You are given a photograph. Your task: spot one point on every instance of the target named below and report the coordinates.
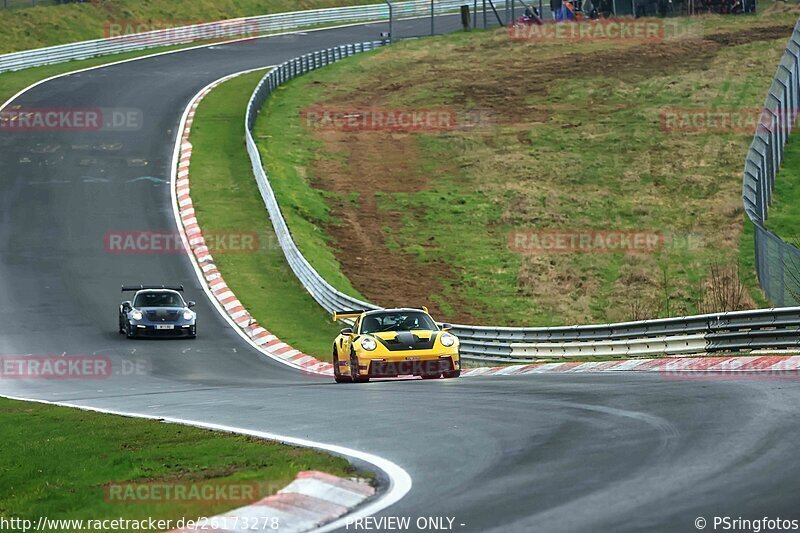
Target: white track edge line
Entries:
(399, 480)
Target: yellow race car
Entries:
(393, 342)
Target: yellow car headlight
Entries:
(369, 344)
(448, 340)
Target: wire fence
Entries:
(15, 4)
(777, 261)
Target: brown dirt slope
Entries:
(360, 166)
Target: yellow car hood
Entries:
(422, 334)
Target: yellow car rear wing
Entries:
(345, 315)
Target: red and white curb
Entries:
(774, 364)
(265, 341)
(311, 500)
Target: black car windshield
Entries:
(158, 299)
(397, 321)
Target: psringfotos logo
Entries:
(537, 242)
(189, 492)
(71, 119)
(171, 242)
(722, 120)
(395, 120)
(640, 30)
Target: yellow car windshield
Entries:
(397, 321)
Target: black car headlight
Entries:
(137, 315)
(188, 315)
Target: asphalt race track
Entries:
(602, 452)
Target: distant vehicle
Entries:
(391, 343)
(531, 17)
(157, 311)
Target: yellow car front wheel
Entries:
(354, 375)
(337, 373)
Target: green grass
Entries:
(287, 156)
(584, 151)
(226, 198)
(784, 212)
(37, 27)
(52, 469)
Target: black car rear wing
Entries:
(133, 288)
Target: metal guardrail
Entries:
(740, 330)
(322, 291)
(777, 262)
(221, 30)
(13, 4)
(767, 328)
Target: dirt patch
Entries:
(510, 88)
(576, 288)
(781, 7)
(365, 165)
(360, 166)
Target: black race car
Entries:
(157, 311)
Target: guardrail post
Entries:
(391, 20)
(781, 262)
(433, 16)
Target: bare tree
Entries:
(723, 291)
